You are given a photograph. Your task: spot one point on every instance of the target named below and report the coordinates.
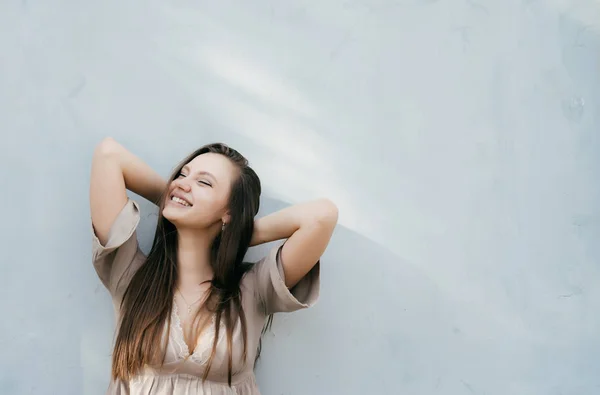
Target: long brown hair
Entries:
(148, 301)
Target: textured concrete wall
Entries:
(459, 139)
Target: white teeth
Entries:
(180, 201)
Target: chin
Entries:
(178, 217)
(169, 214)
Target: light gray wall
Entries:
(459, 139)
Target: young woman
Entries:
(191, 313)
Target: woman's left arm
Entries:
(307, 227)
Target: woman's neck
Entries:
(193, 258)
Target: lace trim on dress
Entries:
(178, 338)
(203, 348)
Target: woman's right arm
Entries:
(114, 169)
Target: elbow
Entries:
(108, 147)
(328, 213)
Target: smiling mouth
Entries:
(180, 201)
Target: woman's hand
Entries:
(307, 227)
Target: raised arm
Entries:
(308, 228)
(114, 169)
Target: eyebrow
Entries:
(202, 173)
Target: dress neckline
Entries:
(203, 348)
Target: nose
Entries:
(183, 184)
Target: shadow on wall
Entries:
(382, 325)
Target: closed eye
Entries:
(205, 183)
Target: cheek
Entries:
(208, 204)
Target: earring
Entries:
(223, 227)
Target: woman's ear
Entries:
(226, 218)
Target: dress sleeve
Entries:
(272, 293)
(115, 261)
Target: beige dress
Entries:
(263, 292)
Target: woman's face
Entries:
(199, 195)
